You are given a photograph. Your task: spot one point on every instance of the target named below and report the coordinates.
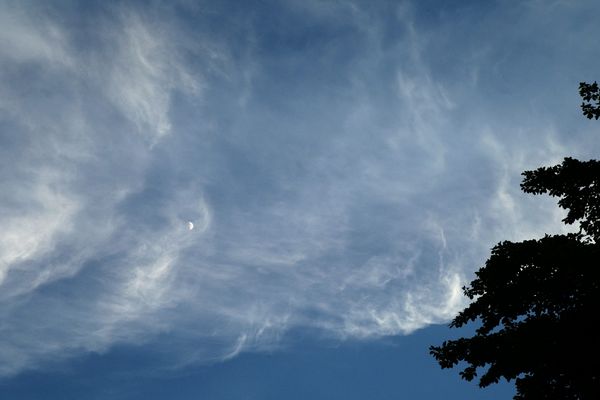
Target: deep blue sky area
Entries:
(396, 368)
(268, 199)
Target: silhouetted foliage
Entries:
(590, 94)
(537, 300)
(577, 183)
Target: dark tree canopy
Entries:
(537, 301)
(590, 94)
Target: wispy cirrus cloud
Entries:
(341, 175)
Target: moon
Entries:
(190, 225)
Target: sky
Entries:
(346, 166)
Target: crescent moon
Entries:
(190, 225)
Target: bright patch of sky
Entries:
(345, 166)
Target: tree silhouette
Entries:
(537, 300)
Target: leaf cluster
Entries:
(590, 93)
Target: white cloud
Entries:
(31, 38)
(144, 73)
(31, 234)
(348, 186)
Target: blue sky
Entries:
(346, 165)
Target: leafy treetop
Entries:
(537, 301)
